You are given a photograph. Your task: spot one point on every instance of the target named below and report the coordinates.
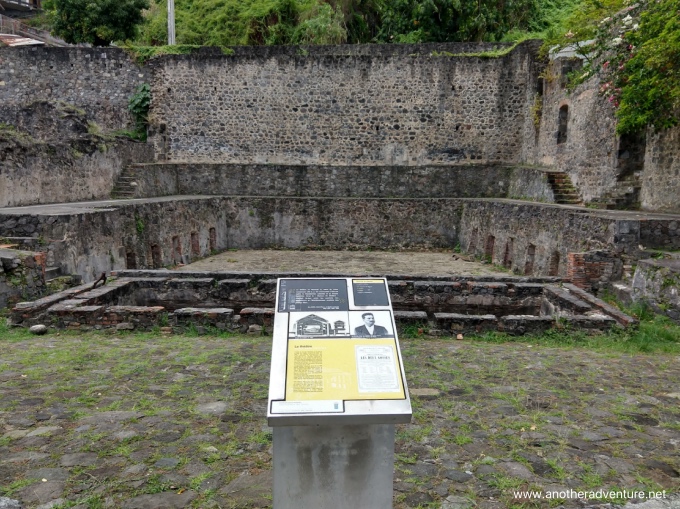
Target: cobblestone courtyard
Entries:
(158, 422)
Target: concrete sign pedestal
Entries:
(337, 388)
(333, 467)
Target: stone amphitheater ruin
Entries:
(380, 147)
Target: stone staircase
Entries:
(126, 184)
(625, 195)
(564, 191)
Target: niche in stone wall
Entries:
(562, 121)
(156, 257)
(195, 247)
(554, 267)
(507, 256)
(529, 263)
(472, 245)
(488, 248)
(631, 154)
(130, 260)
(176, 250)
(213, 240)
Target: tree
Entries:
(98, 22)
(415, 21)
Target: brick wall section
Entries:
(343, 105)
(592, 271)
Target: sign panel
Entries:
(336, 354)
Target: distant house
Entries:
(20, 5)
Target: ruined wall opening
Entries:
(631, 153)
(472, 245)
(213, 240)
(488, 248)
(130, 260)
(529, 263)
(195, 247)
(176, 250)
(507, 256)
(156, 256)
(554, 266)
(562, 122)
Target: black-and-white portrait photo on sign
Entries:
(371, 324)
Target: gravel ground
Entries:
(155, 422)
(417, 263)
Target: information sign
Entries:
(336, 354)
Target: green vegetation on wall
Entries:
(139, 105)
(636, 54)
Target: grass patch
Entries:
(655, 334)
(15, 486)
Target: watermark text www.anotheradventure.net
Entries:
(589, 495)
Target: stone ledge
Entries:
(457, 323)
(614, 312)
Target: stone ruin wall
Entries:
(57, 172)
(369, 107)
(593, 155)
(461, 181)
(459, 109)
(472, 112)
(99, 81)
(63, 105)
(661, 178)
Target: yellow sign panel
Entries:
(343, 369)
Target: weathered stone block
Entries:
(454, 323)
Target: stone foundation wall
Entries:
(342, 105)
(214, 299)
(166, 232)
(531, 239)
(161, 233)
(22, 276)
(462, 181)
(528, 238)
(657, 282)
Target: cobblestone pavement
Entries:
(346, 262)
(148, 421)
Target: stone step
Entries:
(52, 273)
(124, 187)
